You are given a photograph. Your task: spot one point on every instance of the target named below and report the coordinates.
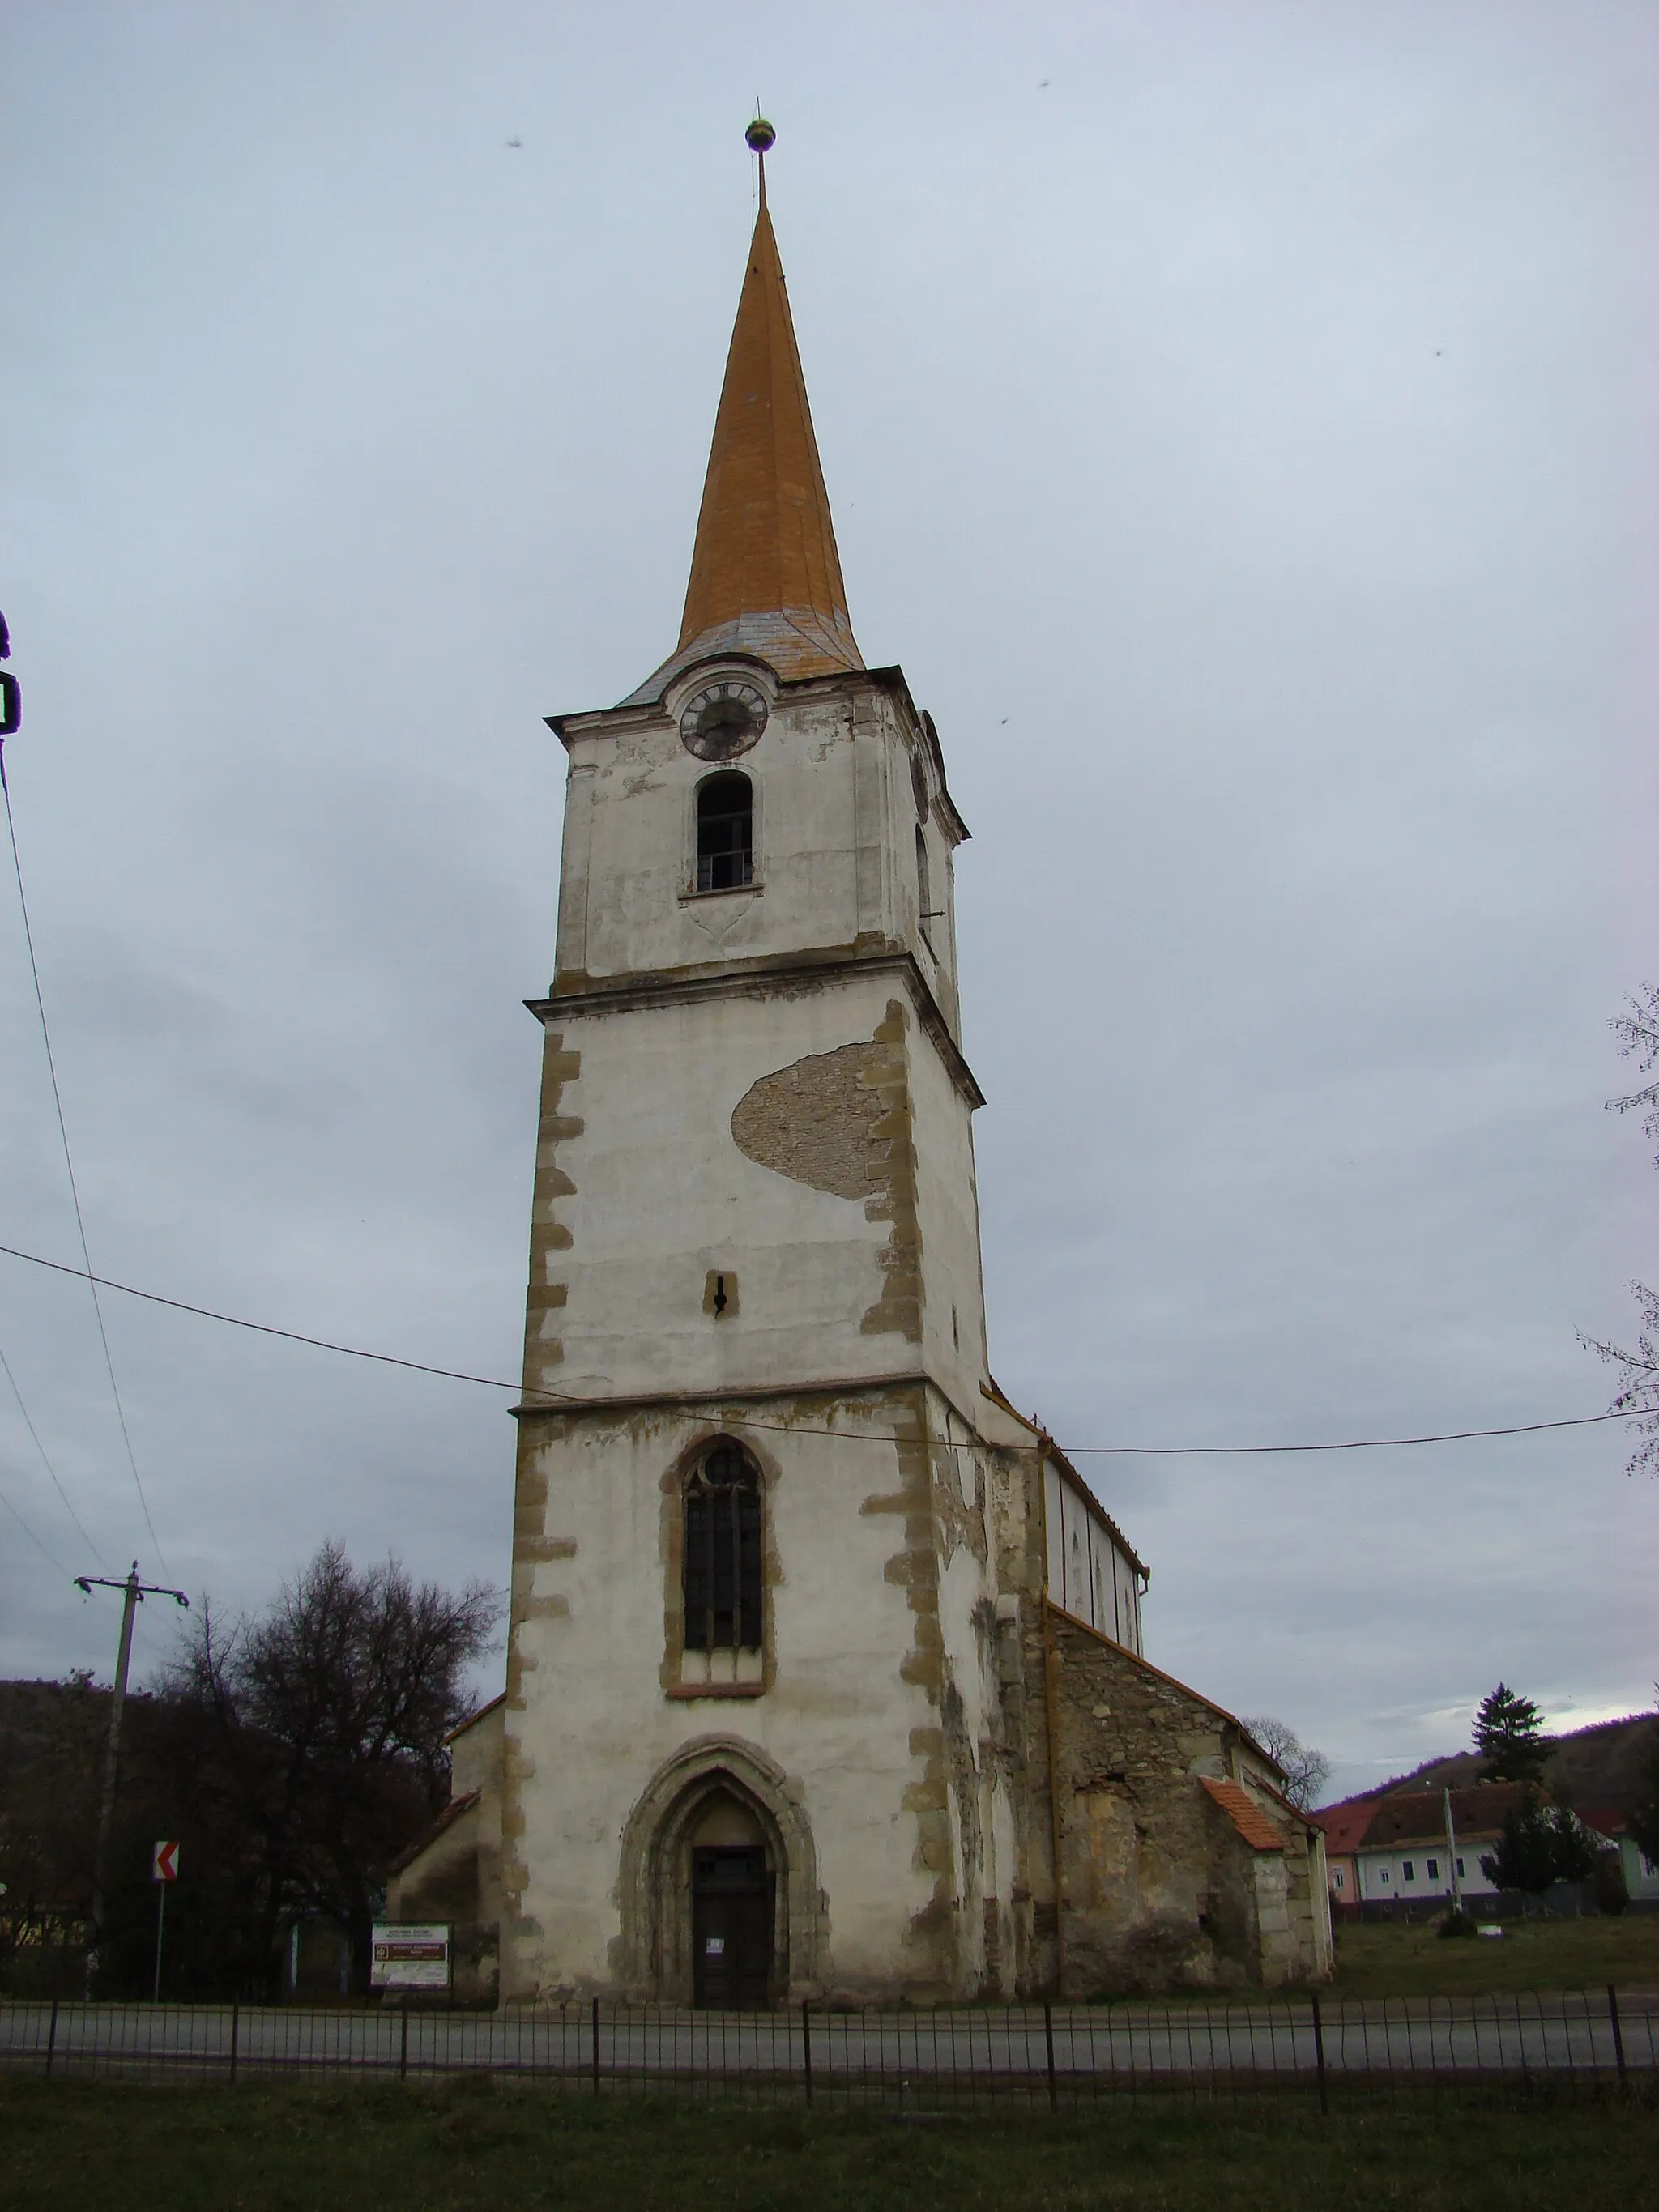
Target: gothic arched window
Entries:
(722, 1564)
(726, 832)
(924, 892)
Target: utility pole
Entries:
(1451, 1853)
(133, 1593)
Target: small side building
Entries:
(1182, 1864)
(453, 1873)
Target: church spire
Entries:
(765, 574)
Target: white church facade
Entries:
(826, 1671)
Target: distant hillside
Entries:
(1598, 1765)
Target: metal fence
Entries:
(1322, 2051)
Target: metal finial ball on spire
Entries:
(760, 137)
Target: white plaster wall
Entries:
(833, 850)
(641, 914)
(932, 940)
(1471, 1881)
(936, 939)
(969, 1652)
(663, 1196)
(1088, 1574)
(594, 1725)
(947, 1211)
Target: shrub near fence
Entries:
(1047, 2058)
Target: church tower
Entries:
(774, 1724)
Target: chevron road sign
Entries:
(164, 1862)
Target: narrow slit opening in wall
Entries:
(720, 1294)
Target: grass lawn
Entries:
(1393, 1960)
(68, 2147)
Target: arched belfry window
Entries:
(924, 891)
(726, 832)
(722, 1569)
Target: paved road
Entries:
(892, 2054)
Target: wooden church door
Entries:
(731, 1929)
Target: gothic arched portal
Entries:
(718, 1846)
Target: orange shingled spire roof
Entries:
(765, 574)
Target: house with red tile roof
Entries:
(1398, 1850)
(1404, 1857)
(1345, 1825)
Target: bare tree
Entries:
(1306, 1771)
(1637, 1032)
(329, 1714)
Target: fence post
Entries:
(235, 2032)
(596, 2046)
(1617, 2033)
(1048, 2041)
(806, 2043)
(1319, 2056)
(403, 2045)
(51, 2038)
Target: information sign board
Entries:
(409, 1954)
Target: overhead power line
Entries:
(797, 1428)
(32, 1538)
(1349, 1443)
(69, 1164)
(5, 1366)
(291, 1336)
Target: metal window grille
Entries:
(723, 1553)
(725, 833)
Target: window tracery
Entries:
(722, 1555)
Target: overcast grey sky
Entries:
(1239, 422)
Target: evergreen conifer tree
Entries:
(1540, 1845)
(1508, 1734)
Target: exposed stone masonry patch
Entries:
(814, 1121)
(840, 1121)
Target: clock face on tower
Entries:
(723, 720)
